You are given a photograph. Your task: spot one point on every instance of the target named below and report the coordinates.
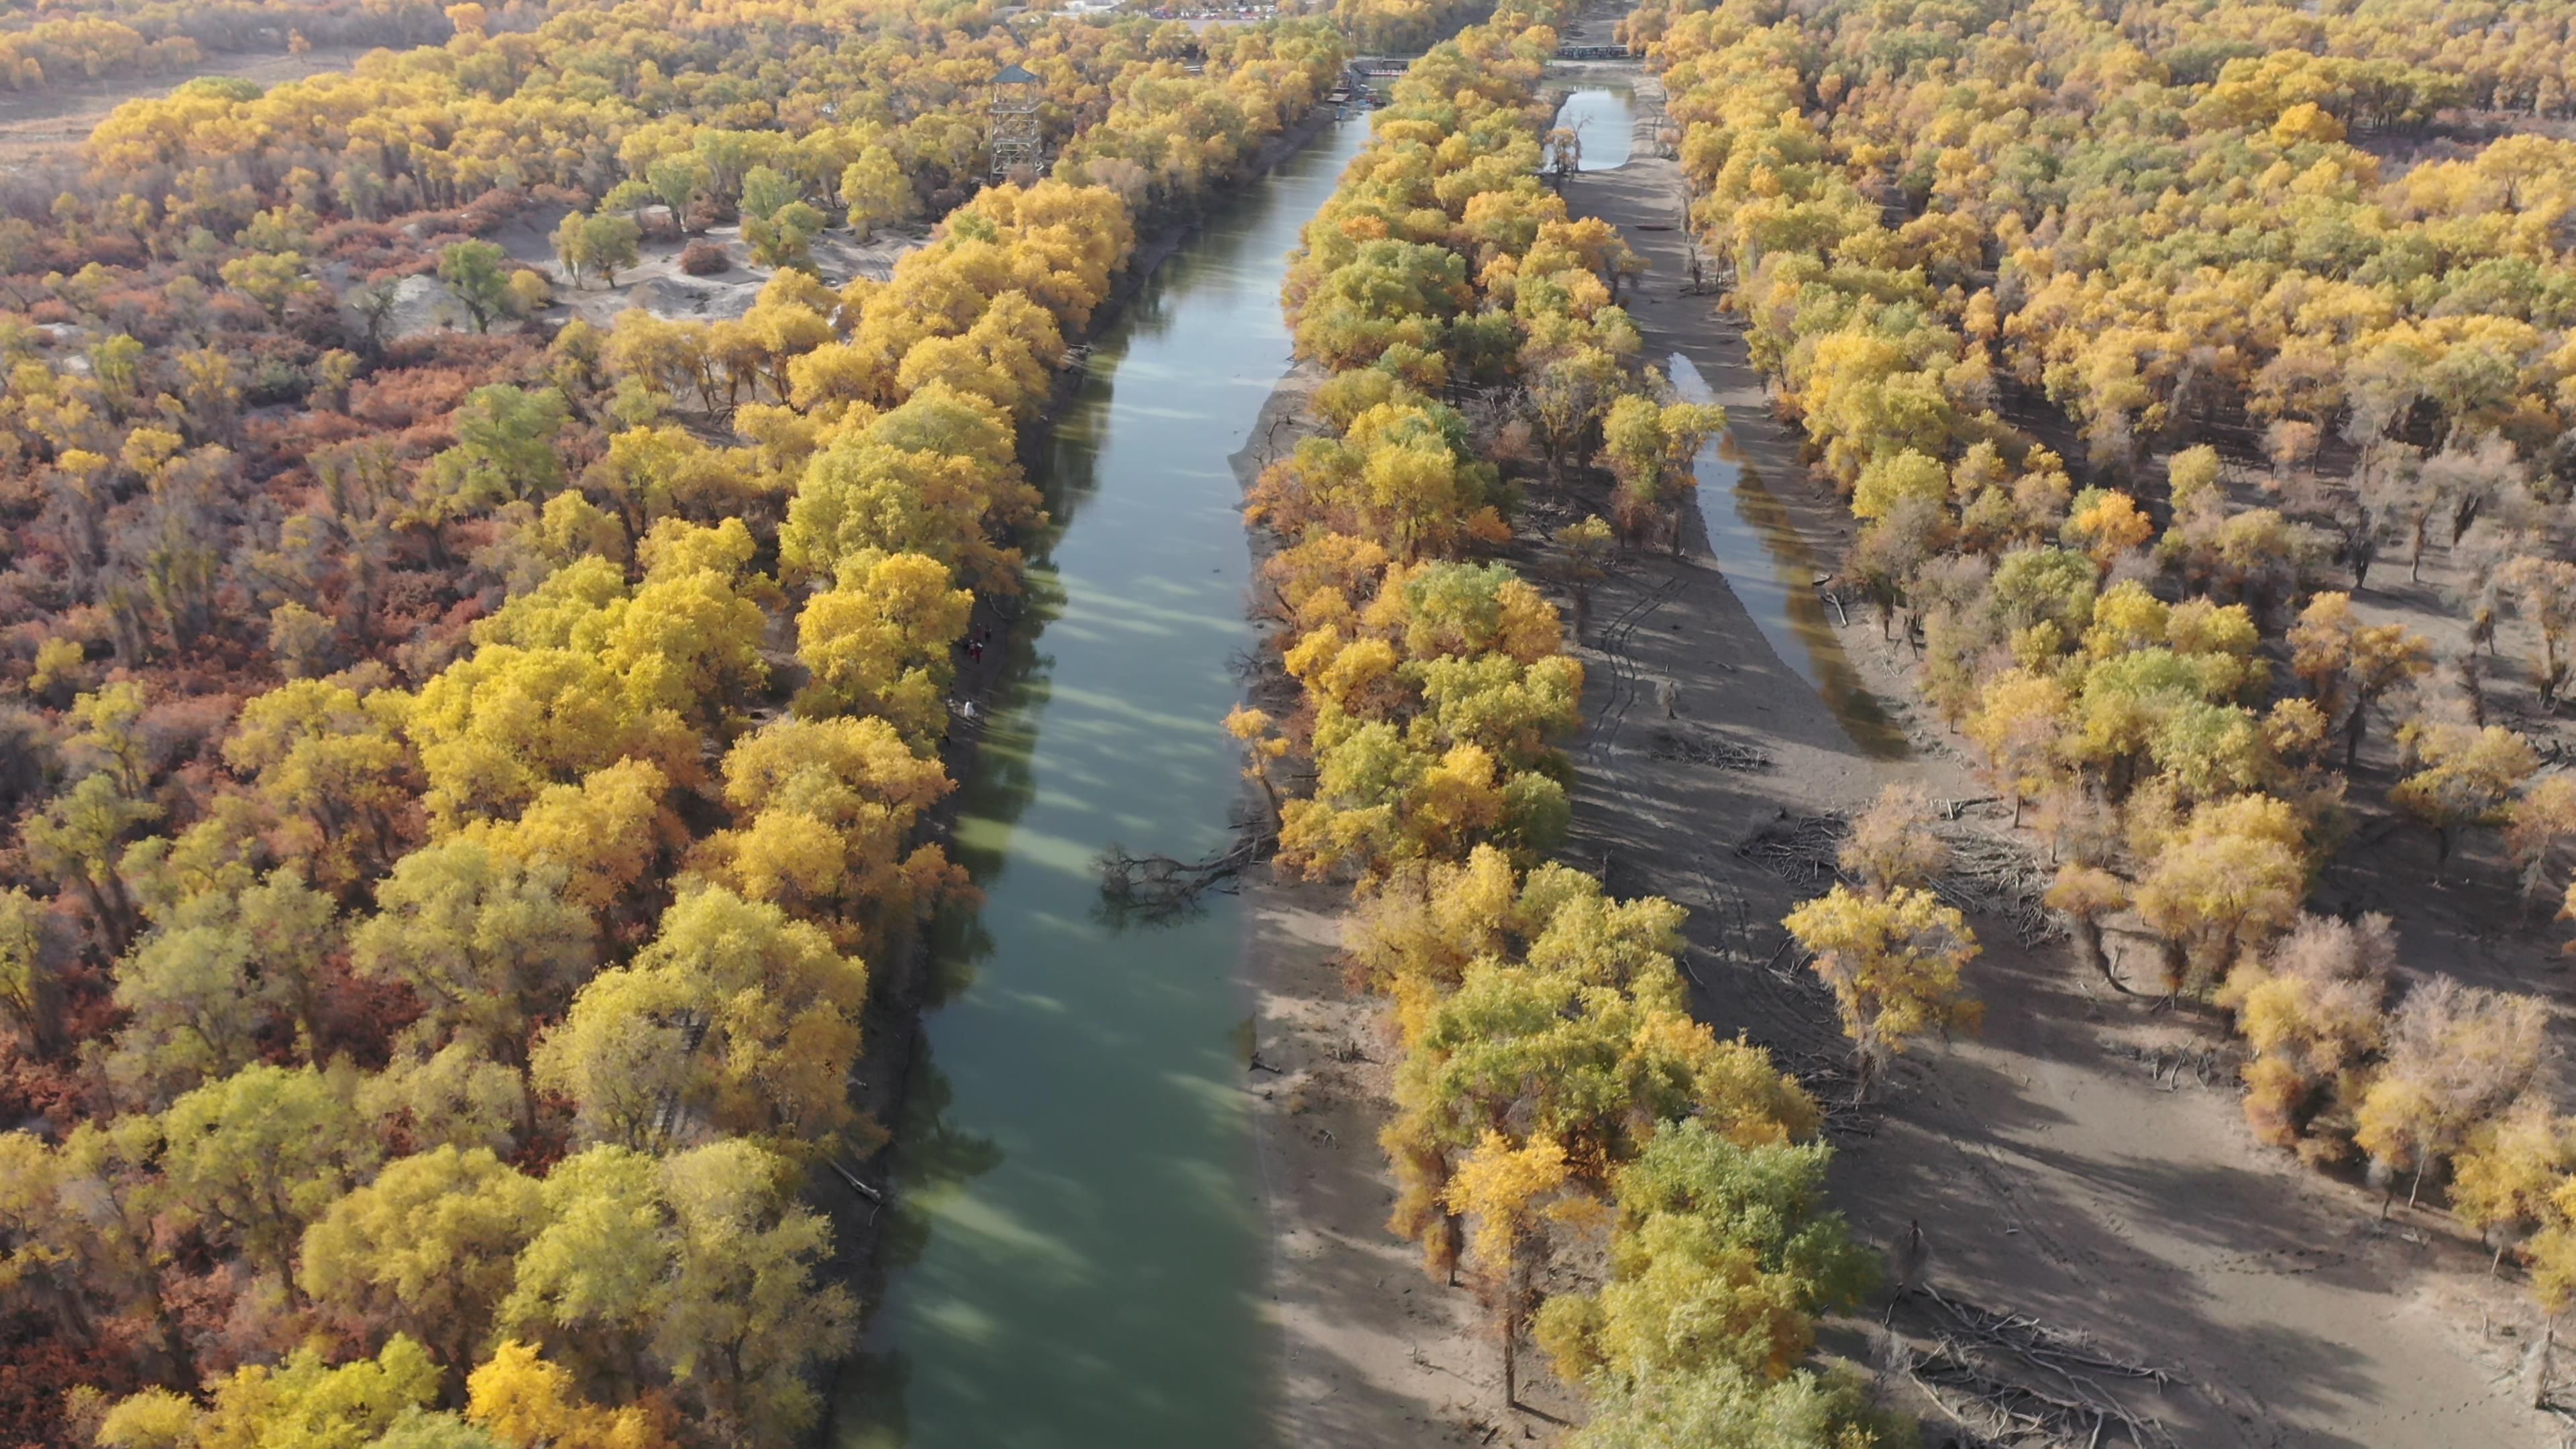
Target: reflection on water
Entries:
(1606, 118)
(1773, 574)
(1077, 1257)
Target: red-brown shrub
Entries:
(405, 397)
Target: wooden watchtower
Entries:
(1011, 121)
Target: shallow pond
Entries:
(1605, 118)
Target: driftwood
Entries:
(1800, 849)
(1154, 889)
(1996, 876)
(2166, 1063)
(2057, 1393)
(1833, 1081)
(854, 1183)
(1701, 748)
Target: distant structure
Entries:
(1011, 121)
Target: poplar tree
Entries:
(1894, 962)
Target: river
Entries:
(1076, 1257)
(1604, 119)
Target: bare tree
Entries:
(2457, 1056)
(1892, 844)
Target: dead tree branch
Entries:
(1701, 748)
(1976, 1347)
(1154, 889)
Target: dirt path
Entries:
(2055, 1169)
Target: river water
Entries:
(1076, 1257)
(1773, 574)
(1604, 117)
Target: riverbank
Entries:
(2066, 1164)
(1369, 1350)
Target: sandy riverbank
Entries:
(1371, 1352)
(2062, 1165)
(2059, 1164)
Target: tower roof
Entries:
(1013, 75)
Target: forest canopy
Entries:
(462, 781)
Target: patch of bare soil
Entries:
(1371, 1351)
(656, 282)
(2081, 1169)
(34, 124)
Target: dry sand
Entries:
(1371, 1351)
(36, 125)
(2083, 1161)
(655, 283)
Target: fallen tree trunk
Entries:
(1154, 889)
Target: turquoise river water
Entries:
(1076, 1256)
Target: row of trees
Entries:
(1931, 226)
(1556, 1103)
(679, 109)
(450, 1061)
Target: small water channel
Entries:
(1605, 119)
(1076, 1259)
(1751, 537)
(1767, 563)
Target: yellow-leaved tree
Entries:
(1501, 1187)
(2458, 1056)
(1894, 964)
(526, 1402)
(2229, 880)
(2313, 1008)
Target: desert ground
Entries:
(35, 125)
(2082, 1163)
(655, 283)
